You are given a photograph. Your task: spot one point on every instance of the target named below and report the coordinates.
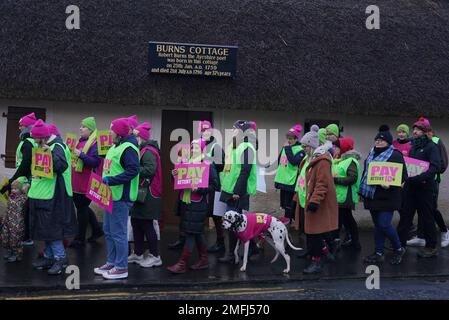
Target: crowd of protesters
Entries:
(320, 176)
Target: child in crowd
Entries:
(13, 224)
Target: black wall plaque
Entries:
(192, 59)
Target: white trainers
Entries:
(103, 269)
(416, 242)
(151, 261)
(115, 274)
(134, 258)
(444, 239)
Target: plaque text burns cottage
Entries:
(192, 59)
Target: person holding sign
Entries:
(86, 160)
(147, 209)
(23, 165)
(193, 207)
(383, 200)
(419, 241)
(53, 216)
(287, 172)
(239, 177)
(215, 155)
(121, 173)
(420, 190)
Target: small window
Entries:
(12, 131)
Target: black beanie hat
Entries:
(384, 134)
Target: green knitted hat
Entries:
(322, 135)
(89, 123)
(19, 182)
(333, 128)
(403, 127)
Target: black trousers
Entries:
(287, 203)
(420, 199)
(346, 219)
(144, 228)
(315, 244)
(85, 216)
(437, 215)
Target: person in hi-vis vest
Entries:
(23, 165)
(215, 154)
(287, 172)
(51, 205)
(239, 176)
(347, 176)
(121, 173)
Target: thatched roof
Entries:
(293, 55)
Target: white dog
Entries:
(251, 225)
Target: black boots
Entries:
(313, 268)
(219, 246)
(177, 245)
(58, 267)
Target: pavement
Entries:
(17, 277)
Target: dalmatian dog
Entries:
(251, 225)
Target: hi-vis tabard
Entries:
(44, 188)
(286, 173)
(340, 169)
(19, 155)
(233, 166)
(112, 167)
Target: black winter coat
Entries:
(427, 152)
(54, 219)
(194, 214)
(388, 199)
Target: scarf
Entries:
(186, 196)
(367, 191)
(79, 163)
(419, 143)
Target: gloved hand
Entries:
(106, 180)
(6, 188)
(312, 207)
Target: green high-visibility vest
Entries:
(286, 173)
(112, 167)
(301, 186)
(19, 155)
(233, 166)
(340, 169)
(438, 175)
(44, 188)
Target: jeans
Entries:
(384, 229)
(54, 250)
(115, 227)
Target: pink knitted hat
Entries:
(40, 130)
(143, 130)
(121, 126)
(28, 120)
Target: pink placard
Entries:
(99, 192)
(415, 167)
(192, 175)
